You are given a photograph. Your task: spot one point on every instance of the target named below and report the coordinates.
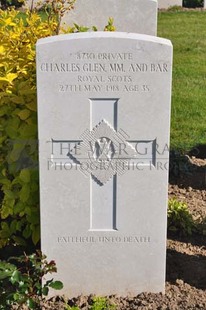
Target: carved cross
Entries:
(105, 152)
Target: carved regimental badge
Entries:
(104, 151)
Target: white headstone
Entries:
(165, 4)
(204, 4)
(130, 16)
(104, 115)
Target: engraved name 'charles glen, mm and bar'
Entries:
(103, 67)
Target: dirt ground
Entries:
(186, 256)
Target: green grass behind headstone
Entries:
(187, 31)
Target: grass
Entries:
(187, 31)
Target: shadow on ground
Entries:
(186, 172)
(198, 151)
(189, 268)
(195, 239)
